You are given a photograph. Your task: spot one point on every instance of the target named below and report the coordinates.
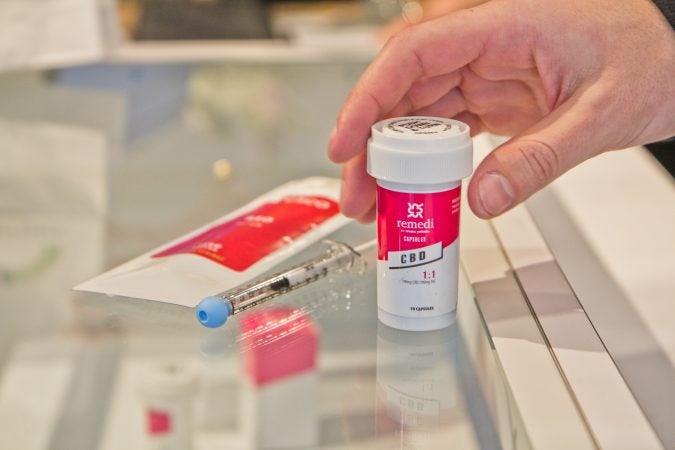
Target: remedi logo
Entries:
(416, 232)
(415, 211)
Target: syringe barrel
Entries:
(335, 257)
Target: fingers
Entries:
(427, 50)
(369, 216)
(358, 190)
(473, 121)
(505, 107)
(527, 163)
(484, 96)
(449, 105)
(426, 92)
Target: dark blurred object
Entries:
(202, 19)
(664, 152)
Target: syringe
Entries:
(335, 257)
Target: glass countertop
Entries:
(102, 163)
(95, 172)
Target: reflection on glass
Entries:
(280, 365)
(416, 384)
(167, 391)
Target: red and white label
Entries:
(417, 251)
(241, 242)
(411, 222)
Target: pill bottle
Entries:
(418, 163)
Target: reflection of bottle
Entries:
(167, 391)
(416, 383)
(279, 349)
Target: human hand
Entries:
(568, 80)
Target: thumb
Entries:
(528, 162)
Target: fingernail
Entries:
(496, 193)
(331, 145)
(343, 198)
(332, 134)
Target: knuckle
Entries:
(401, 35)
(399, 38)
(541, 161)
(402, 46)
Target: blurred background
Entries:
(124, 124)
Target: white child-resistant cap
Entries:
(420, 150)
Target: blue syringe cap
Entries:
(213, 311)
